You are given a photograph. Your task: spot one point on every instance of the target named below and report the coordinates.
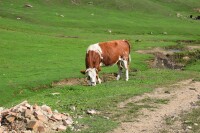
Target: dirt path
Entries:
(182, 97)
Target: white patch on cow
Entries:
(101, 64)
(96, 48)
(122, 64)
(91, 76)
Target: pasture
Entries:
(47, 43)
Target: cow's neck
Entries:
(93, 60)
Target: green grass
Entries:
(192, 119)
(42, 47)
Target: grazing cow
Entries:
(106, 54)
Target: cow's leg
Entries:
(119, 70)
(98, 79)
(125, 65)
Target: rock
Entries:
(186, 58)
(20, 109)
(189, 127)
(1, 129)
(27, 105)
(28, 113)
(36, 107)
(5, 112)
(61, 128)
(57, 116)
(10, 118)
(198, 96)
(164, 33)
(28, 119)
(68, 122)
(41, 129)
(42, 118)
(62, 15)
(64, 117)
(92, 112)
(167, 92)
(196, 124)
(46, 108)
(28, 5)
(33, 125)
(193, 89)
(38, 112)
(73, 108)
(28, 131)
(55, 93)
(1, 109)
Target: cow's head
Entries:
(91, 74)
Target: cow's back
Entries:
(113, 50)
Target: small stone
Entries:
(26, 131)
(186, 58)
(198, 96)
(10, 118)
(28, 113)
(33, 125)
(1, 129)
(5, 112)
(67, 122)
(73, 108)
(64, 117)
(42, 118)
(61, 128)
(92, 112)
(38, 112)
(196, 124)
(55, 93)
(193, 89)
(1, 109)
(55, 111)
(36, 107)
(41, 129)
(189, 127)
(13, 131)
(164, 33)
(27, 105)
(167, 92)
(46, 108)
(57, 116)
(28, 5)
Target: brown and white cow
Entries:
(106, 54)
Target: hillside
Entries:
(43, 41)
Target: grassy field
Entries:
(47, 43)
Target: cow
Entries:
(106, 54)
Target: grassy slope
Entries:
(34, 51)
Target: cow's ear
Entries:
(82, 71)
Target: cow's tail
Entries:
(129, 50)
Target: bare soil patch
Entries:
(181, 96)
(106, 77)
(173, 57)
